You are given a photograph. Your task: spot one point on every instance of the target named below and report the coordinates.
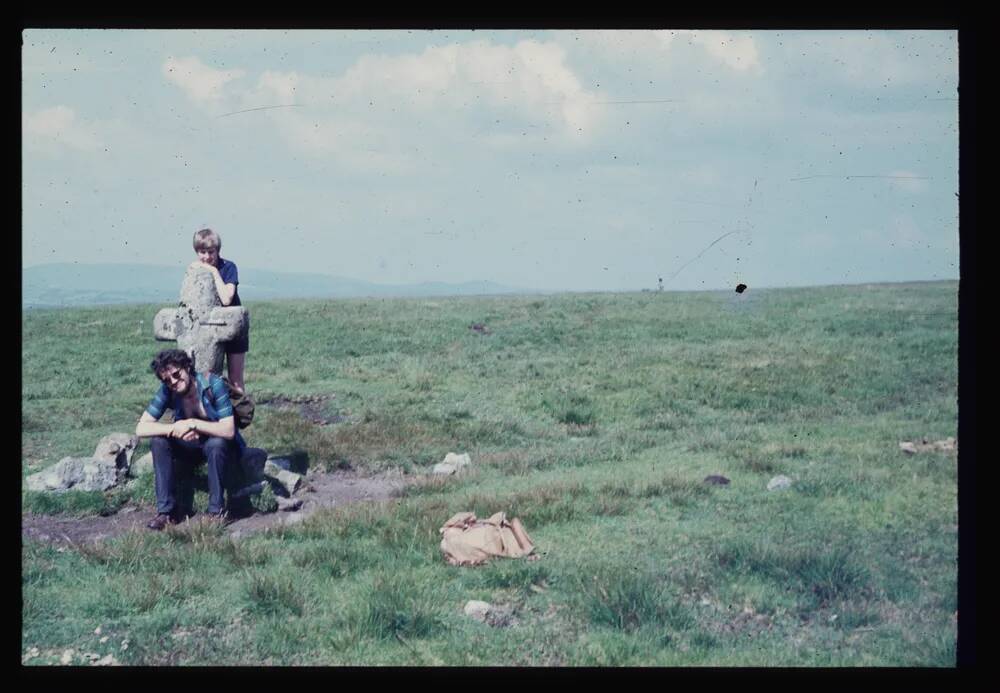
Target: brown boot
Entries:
(161, 521)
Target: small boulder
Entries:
(477, 610)
(288, 504)
(118, 448)
(451, 463)
(77, 473)
(716, 480)
(778, 483)
(143, 465)
(289, 480)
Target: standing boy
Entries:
(208, 244)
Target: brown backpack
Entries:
(243, 405)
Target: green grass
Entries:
(592, 418)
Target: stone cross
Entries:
(201, 324)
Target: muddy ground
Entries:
(321, 490)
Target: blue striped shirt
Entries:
(214, 398)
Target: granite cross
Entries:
(201, 324)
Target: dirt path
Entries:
(321, 491)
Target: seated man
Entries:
(203, 430)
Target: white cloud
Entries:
(530, 78)
(201, 83)
(363, 115)
(58, 124)
(735, 50)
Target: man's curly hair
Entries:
(172, 357)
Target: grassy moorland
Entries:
(594, 418)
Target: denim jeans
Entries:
(174, 461)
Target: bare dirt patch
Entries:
(312, 408)
(321, 490)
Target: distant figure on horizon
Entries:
(208, 244)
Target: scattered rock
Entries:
(452, 463)
(477, 610)
(779, 482)
(289, 480)
(716, 480)
(142, 466)
(67, 657)
(77, 473)
(288, 504)
(479, 328)
(496, 616)
(118, 448)
(946, 445)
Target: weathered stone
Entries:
(451, 463)
(458, 461)
(297, 462)
(289, 504)
(778, 483)
(141, 466)
(201, 325)
(477, 609)
(946, 445)
(118, 448)
(289, 480)
(77, 473)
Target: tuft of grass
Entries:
(273, 594)
(265, 501)
(333, 557)
(393, 610)
(628, 599)
(817, 569)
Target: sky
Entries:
(553, 160)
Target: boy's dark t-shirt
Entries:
(230, 275)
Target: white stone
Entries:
(143, 465)
(118, 448)
(77, 473)
(288, 504)
(290, 480)
(477, 610)
(456, 460)
(779, 482)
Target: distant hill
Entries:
(72, 284)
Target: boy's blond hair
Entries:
(207, 238)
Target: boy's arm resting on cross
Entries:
(226, 291)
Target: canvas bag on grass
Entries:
(466, 540)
